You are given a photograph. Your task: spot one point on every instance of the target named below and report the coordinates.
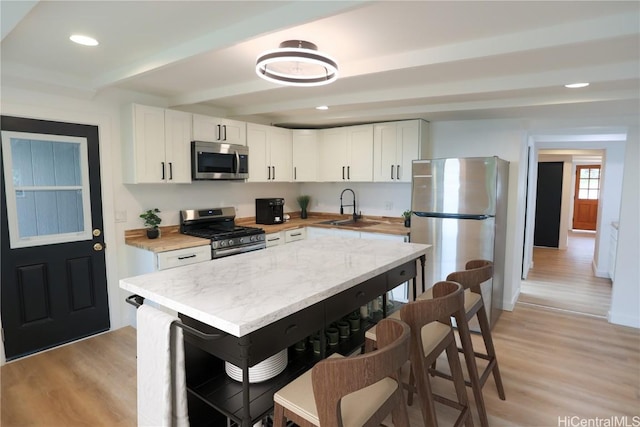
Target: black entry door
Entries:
(54, 287)
(548, 204)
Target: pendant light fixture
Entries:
(297, 63)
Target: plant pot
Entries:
(407, 222)
(153, 233)
(344, 329)
(303, 213)
(332, 336)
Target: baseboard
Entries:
(632, 321)
(603, 274)
(510, 305)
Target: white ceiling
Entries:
(418, 59)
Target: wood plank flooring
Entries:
(564, 279)
(554, 363)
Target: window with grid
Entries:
(589, 182)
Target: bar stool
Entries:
(431, 335)
(476, 272)
(351, 391)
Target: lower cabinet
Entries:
(286, 236)
(143, 261)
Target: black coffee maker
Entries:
(270, 211)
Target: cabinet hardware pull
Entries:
(348, 172)
(359, 295)
(219, 135)
(296, 234)
(170, 170)
(343, 172)
(224, 128)
(162, 170)
(402, 273)
(187, 256)
(274, 172)
(268, 172)
(273, 239)
(398, 172)
(290, 329)
(392, 171)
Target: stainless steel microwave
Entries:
(214, 160)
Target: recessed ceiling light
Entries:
(576, 85)
(83, 40)
(322, 107)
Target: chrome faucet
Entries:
(342, 206)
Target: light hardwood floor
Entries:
(564, 279)
(554, 364)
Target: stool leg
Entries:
(278, 416)
(425, 394)
(458, 382)
(491, 352)
(470, 359)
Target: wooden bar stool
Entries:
(476, 273)
(351, 391)
(432, 334)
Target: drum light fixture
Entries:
(297, 63)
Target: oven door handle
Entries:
(233, 251)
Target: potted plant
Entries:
(407, 218)
(303, 201)
(151, 221)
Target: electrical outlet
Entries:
(388, 206)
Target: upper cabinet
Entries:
(214, 129)
(305, 155)
(396, 145)
(346, 154)
(157, 145)
(270, 153)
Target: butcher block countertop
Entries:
(381, 224)
(171, 239)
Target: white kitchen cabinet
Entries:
(270, 153)
(295, 235)
(274, 239)
(317, 232)
(215, 129)
(306, 152)
(142, 261)
(157, 145)
(346, 154)
(395, 146)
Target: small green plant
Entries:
(303, 201)
(406, 214)
(151, 220)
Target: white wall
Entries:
(625, 297)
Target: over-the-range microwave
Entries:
(214, 160)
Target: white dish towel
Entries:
(162, 387)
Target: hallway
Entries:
(564, 279)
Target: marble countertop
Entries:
(244, 292)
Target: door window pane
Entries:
(50, 188)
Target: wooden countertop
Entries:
(171, 239)
(382, 224)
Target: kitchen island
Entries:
(259, 303)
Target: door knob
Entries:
(98, 247)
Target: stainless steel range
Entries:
(218, 225)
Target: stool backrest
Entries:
(335, 378)
(447, 301)
(476, 272)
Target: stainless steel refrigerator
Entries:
(459, 206)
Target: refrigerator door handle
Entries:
(479, 217)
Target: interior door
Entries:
(54, 287)
(585, 198)
(548, 204)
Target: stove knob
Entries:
(231, 242)
(223, 243)
(252, 238)
(242, 240)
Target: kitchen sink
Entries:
(349, 223)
